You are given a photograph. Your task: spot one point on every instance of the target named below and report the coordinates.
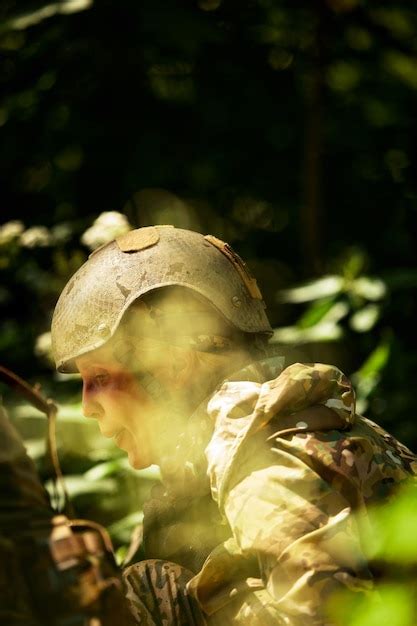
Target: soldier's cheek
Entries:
(123, 383)
(122, 403)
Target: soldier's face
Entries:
(141, 389)
(122, 407)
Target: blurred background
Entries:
(288, 129)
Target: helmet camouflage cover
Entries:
(94, 300)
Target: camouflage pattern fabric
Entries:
(289, 461)
(157, 595)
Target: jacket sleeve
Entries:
(303, 534)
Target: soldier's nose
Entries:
(88, 413)
(90, 408)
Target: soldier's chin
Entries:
(136, 460)
(136, 457)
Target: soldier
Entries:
(262, 466)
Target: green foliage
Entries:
(393, 538)
(389, 538)
(390, 604)
(339, 305)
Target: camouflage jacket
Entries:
(289, 461)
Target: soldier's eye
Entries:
(101, 380)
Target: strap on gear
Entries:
(49, 408)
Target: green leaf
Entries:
(392, 604)
(336, 313)
(315, 312)
(30, 18)
(343, 76)
(122, 529)
(376, 361)
(366, 318)
(397, 20)
(79, 486)
(326, 331)
(106, 469)
(353, 263)
(366, 379)
(71, 413)
(121, 554)
(36, 447)
(402, 66)
(116, 466)
(322, 311)
(392, 533)
(321, 288)
(126, 523)
(369, 288)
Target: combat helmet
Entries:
(95, 299)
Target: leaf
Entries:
(120, 554)
(392, 535)
(366, 318)
(353, 263)
(393, 605)
(116, 466)
(121, 531)
(402, 66)
(106, 469)
(71, 413)
(343, 76)
(321, 288)
(127, 523)
(23, 20)
(367, 377)
(396, 20)
(79, 486)
(336, 313)
(323, 311)
(326, 331)
(376, 361)
(369, 288)
(36, 447)
(315, 312)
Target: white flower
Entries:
(11, 230)
(36, 236)
(43, 346)
(105, 228)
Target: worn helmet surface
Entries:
(93, 302)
